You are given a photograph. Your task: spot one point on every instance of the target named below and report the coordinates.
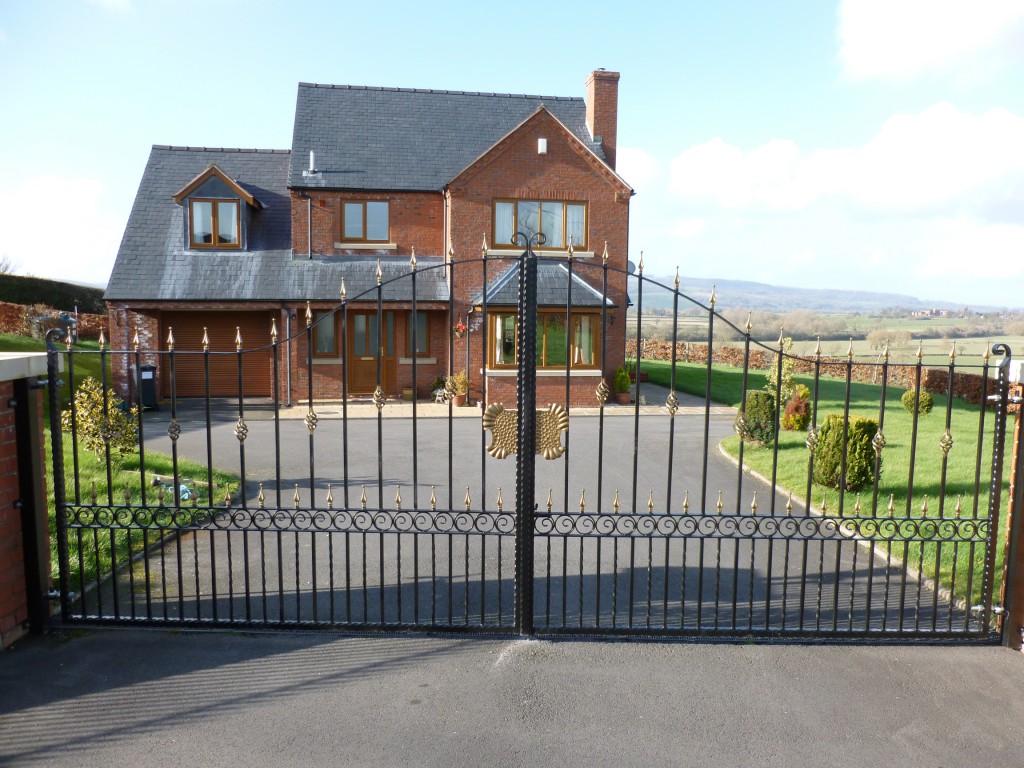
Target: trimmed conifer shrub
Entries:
(860, 455)
(759, 417)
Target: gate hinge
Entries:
(997, 610)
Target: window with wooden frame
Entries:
(214, 223)
(364, 221)
(422, 335)
(325, 337)
(560, 222)
(583, 350)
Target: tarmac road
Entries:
(156, 698)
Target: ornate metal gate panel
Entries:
(308, 509)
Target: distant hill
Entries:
(17, 289)
(744, 294)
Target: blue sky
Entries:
(869, 144)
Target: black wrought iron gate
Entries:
(300, 511)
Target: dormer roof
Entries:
(213, 170)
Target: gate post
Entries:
(1013, 582)
(526, 403)
(57, 462)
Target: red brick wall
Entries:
(13, 596)
(416, 221)
(514, 169)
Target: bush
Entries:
(771, 377)
(620, 382)
(924, 405)
(798, 410)
(860, 454)
(119, 424)
(759, 417)
(458, 383)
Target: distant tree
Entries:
(8, 264)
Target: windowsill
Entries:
(326, 361)
(542, 372)
(540, 254)
(366, 246)
(419, 361)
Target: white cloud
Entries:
(57, 228)
(938, 161)
(636, 166)
(904, 39)
(962, 245)
(687, 228)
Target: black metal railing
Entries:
(219, 518)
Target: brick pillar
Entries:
(24, 530)
(1013, 583)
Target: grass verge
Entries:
(956, 566)
(93, 552)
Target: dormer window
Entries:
(216, 218)
(214, 223)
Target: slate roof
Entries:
(405, 139)
(153, 265)
(552, 288)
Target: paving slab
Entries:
(155, 698)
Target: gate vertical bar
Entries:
(57, 456)
(526, 403)
(996, 483)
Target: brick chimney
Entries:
(603, 110)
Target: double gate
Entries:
(653, 518)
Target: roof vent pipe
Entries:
(312, 161)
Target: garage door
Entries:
(221, 329)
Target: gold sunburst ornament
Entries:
(503, 423)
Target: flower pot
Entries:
(458, 400)
(623, 398)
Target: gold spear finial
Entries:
(433, 499)
(309, 314)
(103, 341)
(686, 502)
(713, 298)
(885, 352)
(135, 340)
(344, 291)
(749, 326)
(362, 496)
(650, 502)
(412, 259)
(549, 502)
(469, 501)
(398, 499)
(920, 350)
(206, 340)
(500, 501)
(583, 500)
(296, 498)
(676, 284)
(753, 504)
(849, 351)
(984, 355)
(261, 500)
(719, 504)
(640, 266)
(238, 339)
(170, 338)
(952, 353)
(483, 248)
(330, 496)
(604, 255)
(273, 331)
(615, 503)
(380, 272)
(817, 348)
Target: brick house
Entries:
(231, 241)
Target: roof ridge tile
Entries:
(439, 91)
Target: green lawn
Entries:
(949, 559)
(90, 551)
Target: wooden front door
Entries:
(364, 349)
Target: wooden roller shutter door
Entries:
(257, 366)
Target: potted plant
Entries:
(458, 385)
(620, 383)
